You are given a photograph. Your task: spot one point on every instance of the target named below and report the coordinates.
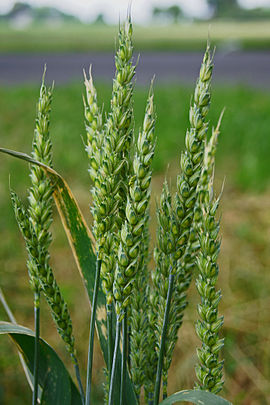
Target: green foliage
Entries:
(38, 14)
(223, 9)
(196, 397)
(54, 380)
(97, 37)
(242, 156)
(120, 169)
(173, 13)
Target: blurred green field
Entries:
(182, 36)
(243, 157)
(244, 143)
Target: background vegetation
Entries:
(26, 28)
(99, 37)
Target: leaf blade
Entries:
(54, 379)
(29, 376)
(197, 397)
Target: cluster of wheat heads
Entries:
(143, 307)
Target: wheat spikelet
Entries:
(209, 370)
(35, 222)
(136, 211)
(40, 193)
(109, 171)
(176, 221)
(38, 268)
(138, 319)
(93, 126)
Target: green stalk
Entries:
(163, 339)
(128, 346)
(78, 376)
(36, 358)
(124, 358)
(6, 307)
(115, 357)
(150, 399)
(165, 388)
(110, 338)
(92, 334)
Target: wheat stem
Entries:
(128, 346)
(150, 398)
(6, 307)
(124, 358)
(92, 333)
(163, 339)
(114, 363)
(78, 377)
(36, 354)
(109, 337)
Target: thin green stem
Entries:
(92, 334)
(78, 376)
(151, 398)
(6, 307)
(124, 359)
(36, 355)
(128, 346)
(165, 386)
(163, 339)
(114, 363)
(110, 338)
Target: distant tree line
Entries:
(231, 9)
(173, 13)
(38, 14)
(218, 9)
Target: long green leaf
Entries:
(28, 374)
(54, 379)
(197, 397)
(81, 241)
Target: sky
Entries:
(113, 9)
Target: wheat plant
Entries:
(137, 308)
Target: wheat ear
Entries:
(35, 222)
(137, 205)
(209, 369)
(184, 201)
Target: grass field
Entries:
(183, 36)
(243, 157)
(244, 142)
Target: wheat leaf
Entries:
(54, 379)
(197, 397)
